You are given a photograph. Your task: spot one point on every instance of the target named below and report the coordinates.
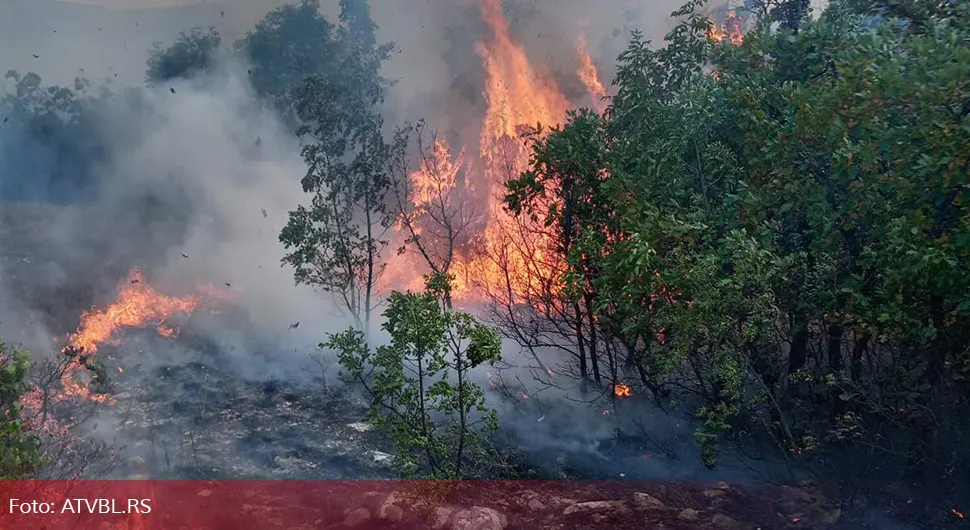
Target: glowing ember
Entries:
(958, 513)
(622, 391)
(730, 30)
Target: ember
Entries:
(622, 391)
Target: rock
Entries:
(723, 486)
(810, 504)
(645, 501)
(715, 494)
(479, 518)
(689, 515)
(440, 518)
(356, 517)
(536, 505)
(561, 502)
(722, 521)
(389, 510)
(608, 507)
(392, 513)
(378, 458)
(361, 427)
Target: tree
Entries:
(192, 53)
(419, 383)
(429, 203)
(337, 242)
(50, 143)
(288, 45)
(20, 450)
(778, 233)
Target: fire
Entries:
(589, 75)
(505, 256)
(730, 30)
(138, 305)
(958, 513)
(437, 175)
(621, 390)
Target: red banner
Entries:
(470, 505)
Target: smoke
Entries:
(196, 177)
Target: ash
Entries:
(183, 411)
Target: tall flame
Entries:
(589, 75)
(506, 254)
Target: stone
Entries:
(479, 518)
(645, 501)
(392, 513)
(440, 518)
(596, 507)
(722, 521)
(361, 426)
(379, 458)
(356, 517)
(715, 494)
(536, 505)
(689, 515)
(389, 510)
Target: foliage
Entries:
(776, 231)
(50, 141)
(20, 450)
(290, 44)
(192, 53)
(419, 383)
(337, 241)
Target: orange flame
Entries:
(730, 30)
(589, 75)
(137, 305)
(506, 256)
(622, 391)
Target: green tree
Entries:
(20, 451)
(288, 45)
(191, 54)
(780, 234)
(419, 383)
(337, 241)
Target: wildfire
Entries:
(730, 30)
(589, 75)
(137, 305)
(506, 256)
(622, 391)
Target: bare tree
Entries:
(430, 201)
